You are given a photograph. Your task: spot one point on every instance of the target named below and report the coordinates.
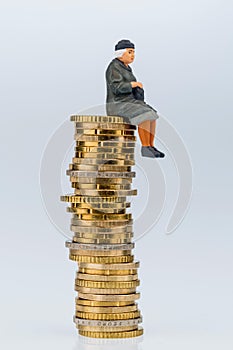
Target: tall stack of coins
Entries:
(107, 278)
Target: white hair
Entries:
(119, 53)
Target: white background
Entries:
(53, 58)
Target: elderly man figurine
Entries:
(125, 98)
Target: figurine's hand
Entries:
(136, 83)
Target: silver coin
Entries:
(81, 246)
(102, 230)
(118, 323)
(105, 174)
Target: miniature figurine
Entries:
(125, 98)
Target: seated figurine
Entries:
(125, 98)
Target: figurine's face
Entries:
(128, 56)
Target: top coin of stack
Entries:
(101, 176)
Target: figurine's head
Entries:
(125, 51)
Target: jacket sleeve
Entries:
(115, 80)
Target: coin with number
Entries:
(99, 323)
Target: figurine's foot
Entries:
(146, 151)
(157, 153)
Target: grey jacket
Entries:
(120, 99)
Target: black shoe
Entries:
(146, 151)
(157, 152)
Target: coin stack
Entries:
(102, 244)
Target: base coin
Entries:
(128, 334)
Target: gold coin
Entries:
(100, 253)
(104, 159)
(102, 174)
(101, 241)
(100, 186)
(109, 272)
(86, 230)
(91, 232)
(92, 211)
(110, 132)
(80, 199)
(102, 259)
(107, 329)
(97, 210)
(106, 125)
(96, 303)
(110, 143)
(101, 223)
(105, 290)
(104, 216)
(127, 235)
(101, 206)
(124, 170)
(106, 225)
(99, 297)
(111, 335)
(84, 180)
(120, 266)
(89, 277)
(105, 192)
(97, 119)
(100, 168)
(106, 317)
(102, 156)
(106, 284)
(119, 138)
(106, 309)
(85, 149)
